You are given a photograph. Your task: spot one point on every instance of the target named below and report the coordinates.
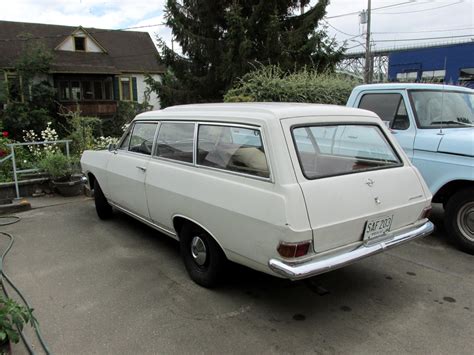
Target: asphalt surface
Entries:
(120, 287)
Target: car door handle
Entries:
(142, 168)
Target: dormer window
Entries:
(80, 43)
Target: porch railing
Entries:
(12, 156)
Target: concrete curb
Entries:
(16, 206)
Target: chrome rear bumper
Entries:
(296, 271)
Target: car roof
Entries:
(413, 86)
(252, 112)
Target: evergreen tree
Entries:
(222, 40)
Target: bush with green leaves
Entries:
(270, 83)
(13, 317)
(126, 111)
(81, 130)
(57, 165)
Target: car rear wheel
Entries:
(202, 256)
(460, 219)
(103, 208)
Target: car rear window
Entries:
(230, 148)
(328, 150)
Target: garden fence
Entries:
(11, 156)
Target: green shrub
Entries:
(13, 317)
(126, 112)
(270, 83)
(81, 130)
(57, 165)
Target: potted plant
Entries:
(13, 317)
(60, 169)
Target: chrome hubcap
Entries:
(198, 250)
(466, 220)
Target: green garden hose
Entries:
(4, 276)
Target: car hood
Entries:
(457, 141)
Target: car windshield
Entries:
(450, 109)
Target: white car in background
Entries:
(293, 190)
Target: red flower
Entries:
(5, 134)
(3, 153)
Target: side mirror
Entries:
(112, 147)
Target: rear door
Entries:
(356, 186)
(127, 168)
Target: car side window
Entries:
(125, 142)
(389, 107)
(232, 148)
(142, 136)
(176, 141)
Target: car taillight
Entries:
(293, 250)
(425, 213)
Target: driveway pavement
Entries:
(120, 287)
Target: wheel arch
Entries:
(448, 189)
(91, 179)
(180, 220)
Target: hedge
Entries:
(270, 83)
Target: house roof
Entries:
(126, 51)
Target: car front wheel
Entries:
(202, 256)
(460, 219)
(103, 208)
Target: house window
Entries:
(125, 89)
(98, 95)
(14, 87)
(87, 93)
(76, 90)
(64, 93)
(108, 89)
(80, 43)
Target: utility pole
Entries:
(368, 59)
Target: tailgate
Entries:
(340, 207)
(356, 184)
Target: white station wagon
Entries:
(293, 190)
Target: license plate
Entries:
(378, 227)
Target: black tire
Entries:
(459, 214)
(207, 273)
(104, 210)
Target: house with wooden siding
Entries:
(91, 68)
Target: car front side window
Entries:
(141, 138)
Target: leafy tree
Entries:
(223, 40)
(31, 101)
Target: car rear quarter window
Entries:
(175, 141)
(232, 148)
(328, 150)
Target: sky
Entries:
(399, 19)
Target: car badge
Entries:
(377, 201)
(370, 182)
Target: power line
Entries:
(421, 39)
(422, 10)
(439, 30)
(375, 8)
(340, 31)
